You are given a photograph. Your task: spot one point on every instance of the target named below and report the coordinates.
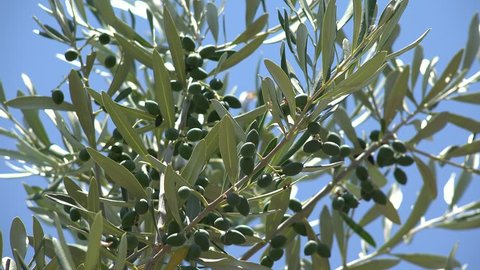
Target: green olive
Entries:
(57, 96)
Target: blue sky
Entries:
(21, 51)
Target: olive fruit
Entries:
(362, 143)
(275, 254)
(199, 189)
(312, 146)
(379, 197)
(195, 88)
(194, 134)
(338, 203)
(243, 206)
(301, 101)
(367, 187)
(278, 241)
(247, 164)
(310, 248)
(83, 155)
(232, 101)
(71, 55)
(57, 96)
(207, 51)
(188, 44)
(152, 107)
(253, 137)
(216, 84)
(185, 150)
(330, 148)
(245, 230)
(292, 168)
(110, 61)
(267, 261)
(129, 219)
(265, 180)
(202, 238)
(362, 173)
(175, 239)
(350, 200)
(374, 135)
(104, 38)
(404, 160)
(295, 205)
(194, 60)
(235, 237)
(300, 228)
(202, 181)
(194, 251)
(201, 103)
(158, 120)
(233, 199)
(314, 128)
(141, 206)
(184, 192)
(385, 155)
(176, 85)
(334, 137)
(323, 250)
(142, 178)
(248, 149)
(132, 241)
(345, 150)
(113, 241)
(116, 134)
(193, 122)
(399, 146)
(222, 224)
(128, 164)
(198, 73)
(171, 134)
(400, 176)
(173, 227)
(75, 214)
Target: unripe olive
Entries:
(247, 165)
(202, 181)
(385, 155)
(194, 60)
(188, 44)
(301, 101)
(367, 187)
(265, 180)
(334, 137)
(57, 96)
(295, 205)
(75, 215)
(374, 135)
(245, 230)
(300, 228)
(195, 88)
(110, 61)
(267, 261)
(233, 199)
(70, 55)
(232, 101)
(292, 168)
(367, 196)
(235, 237)
(350, 200)
(194, 134)
(345, 150)
(362, 173)
(142, 178)
(404, 160)
(113, 241)
(104, 38)
(312, 146)
(400, 176)
(201, 103)
(116, 134)
(331, 148)
(129, 219)
(198, 73)
(132, 241)
(216, 84)
(173, 227)
(194, 252)
(278, 241)
(399, 146)
(202, 239)
(158, 120)
(248, 149)
(184, 192)
(176, 85)
(171, 134)
(193, 122)
(199, 189)
(152, 107)
(222, 224)
(175, 239)
(314, 128)
(338, 203)
(275, 254)
(243, 206)
(185, 150)
(323, 250)
(83, 155)
(213, 117)
(379, 197)
(362, 143)
(310, 248)
(207, 51)
(285, 109)
(141, 206)
(128, 164)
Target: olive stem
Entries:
(466, 168)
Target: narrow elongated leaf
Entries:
(37, 243)
(250, 11)
(357, 23)
(118, 173)
(174, 44)
(122, 70)
(326, 227)
(302, 40)
(394, 98)
(429, 261)
(195, 164)
(227, 144)
(435, 124)
(329, 34)
(417, 61)
(408, 47)
(462, 223)
(343, 120)
(94, 238)
(221, 111)
(450, 264)
(473, 98)
(119, 118)
(358, 230)
(221, 261)
(38, 103)
(60, 246)
(463, 182)
(467, 149)
(283, 83)
(163, 91)
(252, 30)
(122, 253)
(473, 43)
(243, 53)
(2, 95)
(464, 122)
(389, 212)
(171, 179)
(377, 264)
(134, 51)
(271, 101)
(212, 19)
(211, 139)
(18, 237)
(429, 179)
(32, 119)
(93, 202)
(82, 104)
(278, 203)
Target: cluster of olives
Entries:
(368, 190)
(332, 146)
(344, 201)
(130, 217)
(392, 153)
(275, 251)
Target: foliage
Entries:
(165, 168)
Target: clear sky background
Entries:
(21, 51)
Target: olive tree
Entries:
(159, 166)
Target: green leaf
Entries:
(243, 53)
(292, 254)
(119, 118)
(94, 241)
(461, 223)
(410, 46)
(467, 149)
(279, 204)
(212, 138)
(174, 44)
(18, 237)
(464, 122)
(37, 244)
(60, 246)
(221, 261)
(424, 260)
(251, 10)
(271, 101)
(93, 203)
(393, 100)
(389, 212)
(221, 111)
(118, 173)
(417, 61)
(227, 144)
(326, 227)
(464, 181)
(252, 29)
(377, 264)
(302, 40)
(131, 113)
(212, 19)
(82, 104)
(163, 91)
(376, 175)
(32, 119)
(358, 230)
(133, 50)
(1, 244)
(357, 23)
(2, 95)
(196, 163)
(171, 179)
(434, 125)
(122, 253)
(451, 262)
(329, 34)
(121, 72)
(473, 98)
(343, 120)
(38, 103)
(283, 83)
(473, 43)
(429, 179)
